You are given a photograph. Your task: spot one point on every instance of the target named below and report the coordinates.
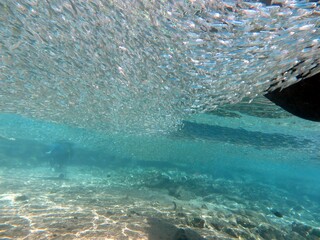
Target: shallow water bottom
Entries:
(137, 203)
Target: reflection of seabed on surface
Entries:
(91, 204)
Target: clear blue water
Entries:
(265, 165)
(146, 120)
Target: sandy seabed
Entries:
(137, 203)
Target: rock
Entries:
(294, 236)
(245, 222)
(315, 232)
(160, 229)
(181, 193)
(21, 198)
(133, 212)
(231, 232)
(197, 222)
(218, 224)
(160, 181)
(237, 233)
(181, 214)
(5, 227)
(104, 226)
(187, 234)
(268, 232)
(301, 228)
(210, 198)
(204, 206)
(61, 176)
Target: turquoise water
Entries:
(140, 119)
(249, 169)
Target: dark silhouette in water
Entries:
(277, 214)
(60, 153)
(301, 99)
(239, 136)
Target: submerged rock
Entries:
(5, 227)
(181, 193)
(159, 181)
(181, 214)
(294, 236)
(160, 229)
(306, 231)
(187, 234)
(315, 232)
(266, 231)
(245, 222)
(198, 222)
(61, 176)
(218, 224)
(21, 198)
(231, 232)
(238, 233)
(302, 229)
